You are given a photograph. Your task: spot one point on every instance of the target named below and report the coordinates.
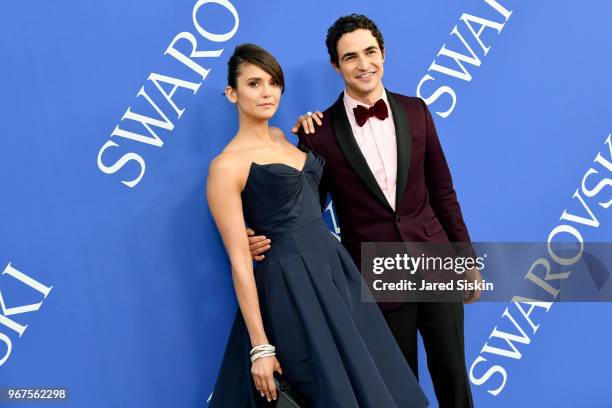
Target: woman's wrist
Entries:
(262, 350)
(258, 341)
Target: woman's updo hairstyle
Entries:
(254, 54)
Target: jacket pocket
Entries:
(432, 226)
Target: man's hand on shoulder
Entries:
(307, 122)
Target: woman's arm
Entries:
(223, 194)
(223, 189)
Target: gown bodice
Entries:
(278, 198)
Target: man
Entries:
(389, 181)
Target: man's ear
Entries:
(335, 66)
(230, 94)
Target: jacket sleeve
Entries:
(305, 143)
(442, 196)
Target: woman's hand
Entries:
(263, 369)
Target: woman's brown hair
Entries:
(254, 54)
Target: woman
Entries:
(300, 313)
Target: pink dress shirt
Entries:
(376, 140)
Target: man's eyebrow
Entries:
(350, 54)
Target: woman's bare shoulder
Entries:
(230, 167)
(227, 161)
(277, 133)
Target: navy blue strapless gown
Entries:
(335, 350)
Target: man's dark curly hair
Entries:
(348, 24)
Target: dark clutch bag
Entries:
(286, 397)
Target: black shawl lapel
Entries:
(348, 145)
(403, 138)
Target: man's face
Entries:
(360, 62)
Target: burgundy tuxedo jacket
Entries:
(426, 204)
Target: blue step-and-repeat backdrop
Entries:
(114, 283)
